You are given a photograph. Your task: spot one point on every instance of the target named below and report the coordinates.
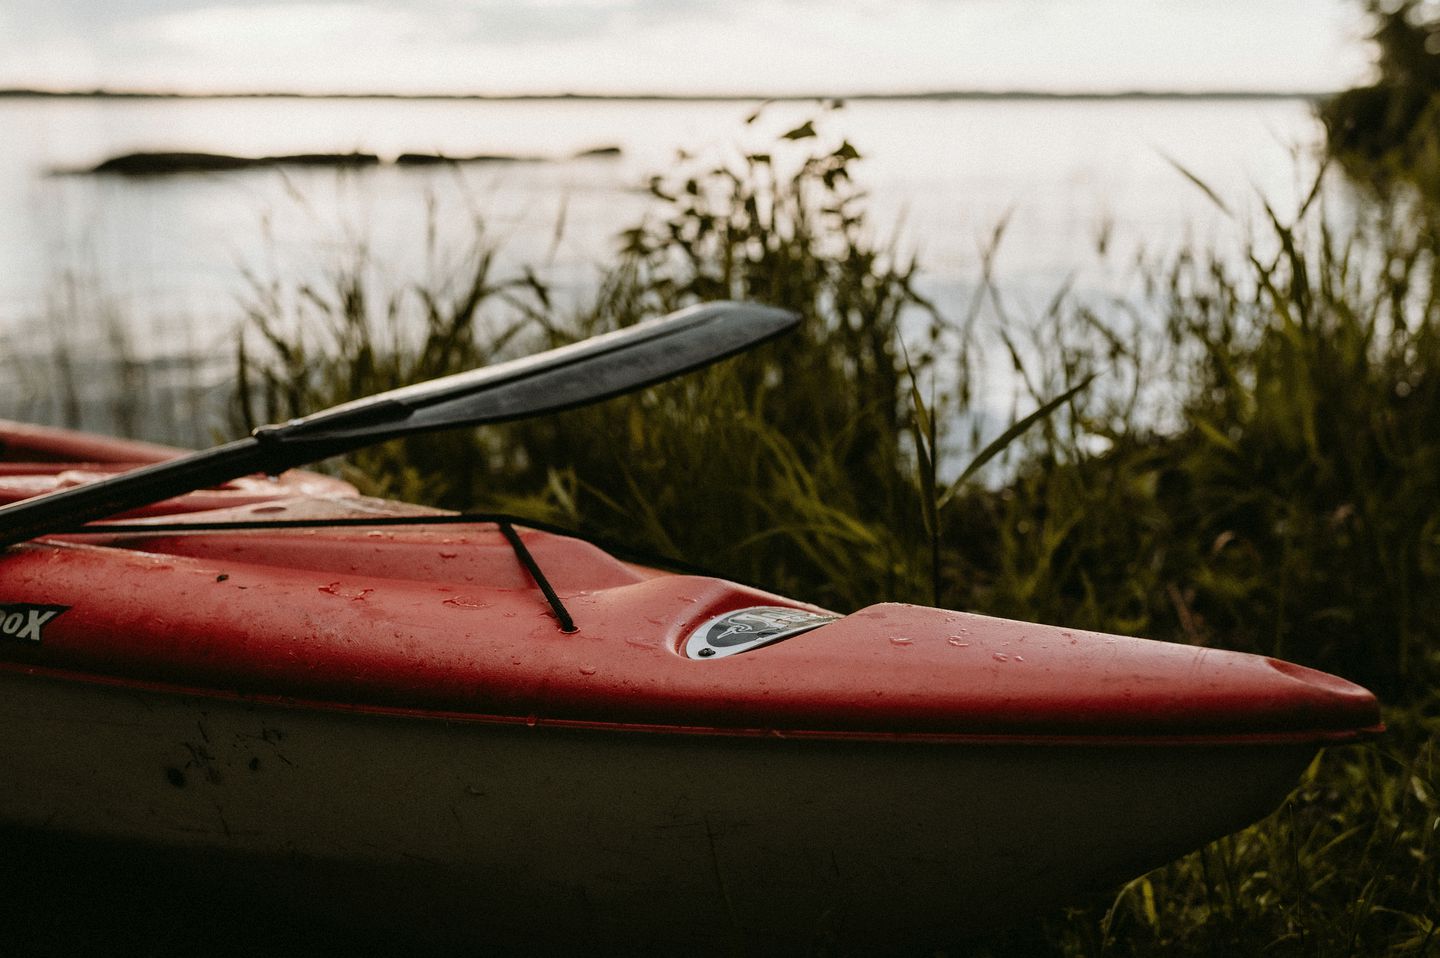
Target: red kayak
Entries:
(285, 674)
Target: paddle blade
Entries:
(585, 372)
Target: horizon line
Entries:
(959, 94)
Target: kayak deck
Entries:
(445, 620)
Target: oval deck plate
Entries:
(744, 629)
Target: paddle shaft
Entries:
(70, 508)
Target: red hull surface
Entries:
(401, 702)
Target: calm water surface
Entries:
(165, 259)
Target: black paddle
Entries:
(574, 375)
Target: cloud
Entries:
(330, 44)
(283, 28)
(547, 21)
(47, 20)
(492, 20)
(679, 45)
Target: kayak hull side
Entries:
(511, 831)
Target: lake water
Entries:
(156, 267)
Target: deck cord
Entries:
(567, 624)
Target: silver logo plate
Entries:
(746, 629)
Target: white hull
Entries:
(533, 833)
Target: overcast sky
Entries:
(682, 46)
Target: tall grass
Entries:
(788, 467)
(1285, 502)
(1257, 467)
(78, 362)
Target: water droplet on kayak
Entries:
(958, 642)
(463, 603)
(1001, 657)
(375, 534)
(587, 670)
(1019, 658)
(655, 620)
(532, 720)
(509, 615)
(901, 640)
(448, 555)
(345, 592)
(689, 598)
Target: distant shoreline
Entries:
(930, 96)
